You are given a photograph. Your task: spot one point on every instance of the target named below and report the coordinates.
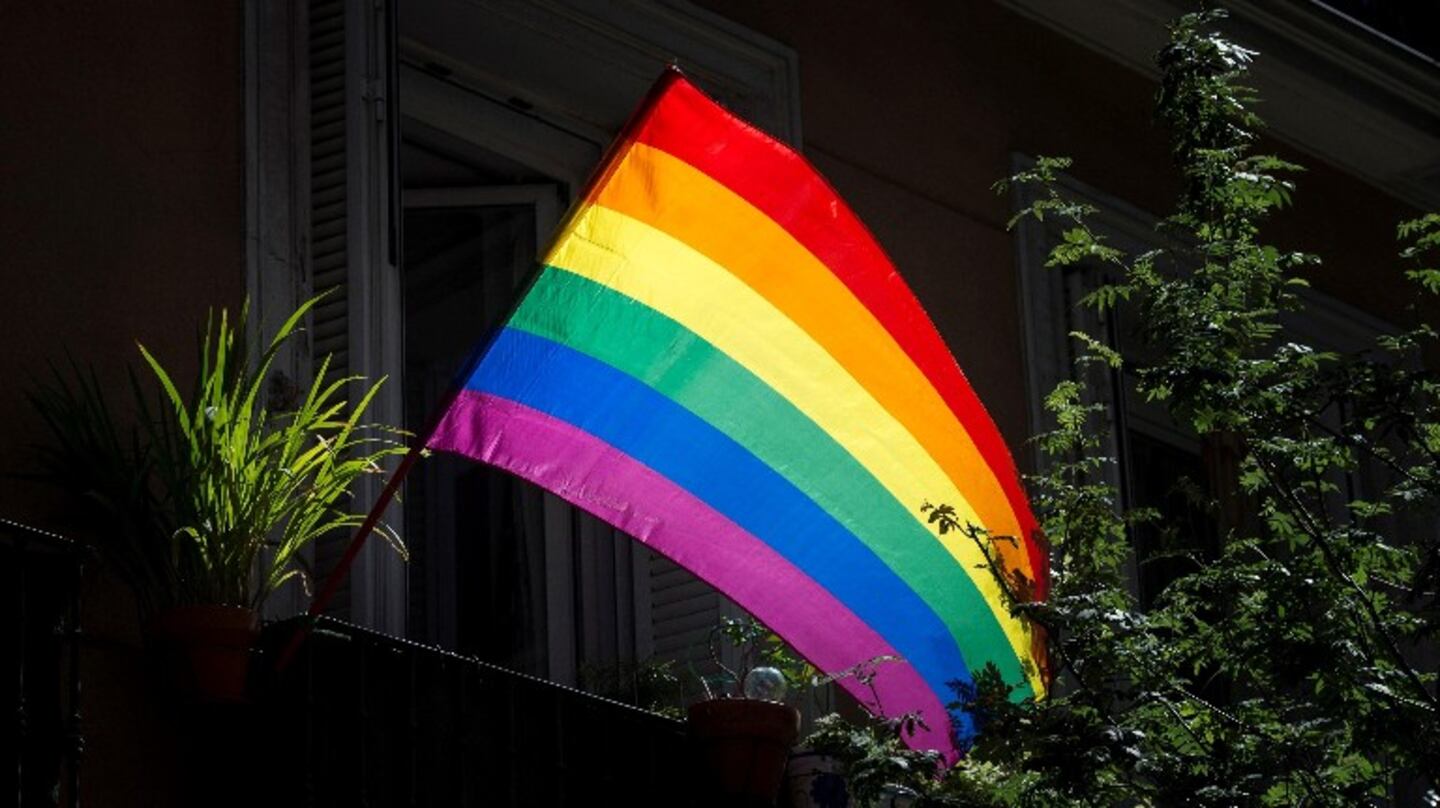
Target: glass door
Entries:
(499, 569)
(477, 573)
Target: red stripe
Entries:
(782, 183)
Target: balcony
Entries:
(365, 719)
(358, 719)
(41, 747)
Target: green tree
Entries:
(1284, 668)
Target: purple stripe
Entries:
(599, 478)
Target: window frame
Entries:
(1049, 312)
(625, 44)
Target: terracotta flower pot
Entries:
(742, 746)
(206, 650)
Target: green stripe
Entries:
(638, 340)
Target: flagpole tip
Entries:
(672, 74)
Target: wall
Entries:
(121, 193)
(913, 110)
(121, 216)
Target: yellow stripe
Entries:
(648, 265)
(696, 209)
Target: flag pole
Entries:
(332, 581)
(327, 590)
(421, 439)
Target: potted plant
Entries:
(204, 505)
(742, 732)
(816, 775)
(866, 764)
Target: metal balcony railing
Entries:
(365, 719)
(41, 746)
(358, 719)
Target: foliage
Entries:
(873, 756)
(651, 684)
(877, 763)
(1284, 667)
(88, 455)
(658, 685)
(211, 498)
(756, 647)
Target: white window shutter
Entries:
(329, 180)
(353, 244)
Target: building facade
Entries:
(410, 158)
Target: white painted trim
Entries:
(611, 52)
(1330, 88)
(548, 112)
(564, 154)
(543, 197)
(1330, 324)
(379, 578)
(276, 217)
(276, 168)
(780, 63)
(573, 73)
(558, 515)
(1047, 295)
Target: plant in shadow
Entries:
(1292, 666)
(212, 496)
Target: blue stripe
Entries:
(674, 442)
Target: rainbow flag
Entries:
(717, 358)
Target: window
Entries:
(444, 143)
(1160, 463)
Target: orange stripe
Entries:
(786, 187)
(654, 187)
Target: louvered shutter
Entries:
(351, 256)
(330, 324)
(684, 610)
(350, 251)
(330, 327)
